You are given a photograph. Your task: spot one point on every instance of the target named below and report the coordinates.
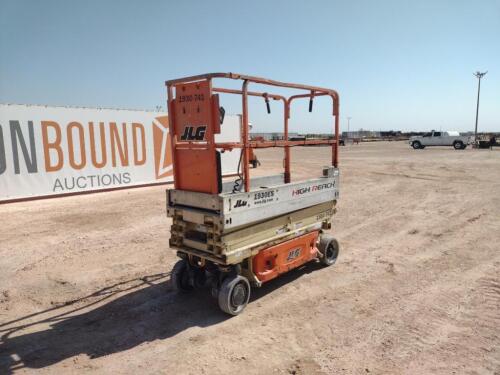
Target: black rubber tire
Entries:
(234, 294)
(254, 163)
(200, 278)
(329, 248)
(458, 145)
(180, 277)
(416, 145)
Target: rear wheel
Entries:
(329, 249)
(234, 294)
(180, 277)
(458, 145)
(416, 145)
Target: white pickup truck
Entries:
(434, 138)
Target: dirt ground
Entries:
(84, 280)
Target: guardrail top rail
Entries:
(187, 139)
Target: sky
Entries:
(405, 65)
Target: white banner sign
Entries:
(60, 150)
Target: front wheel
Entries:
(329, 249)
(416, 145)
(458, 145)
(234, 294)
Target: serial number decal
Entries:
(324, 215)
(293, 254)
(262, 197)
(191, 98)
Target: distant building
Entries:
(277, 136)
(361, 134)
(390, 133)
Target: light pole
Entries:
(348, 124)
(479, 75)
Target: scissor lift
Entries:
(247, 231)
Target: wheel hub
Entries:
(239, 295)
(329, 253)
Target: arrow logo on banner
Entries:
(162, 148)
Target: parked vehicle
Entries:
(441, 138)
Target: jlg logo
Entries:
(293, 254)
(190, 134)
(240, 203)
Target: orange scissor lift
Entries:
(244, 232)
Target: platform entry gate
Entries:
(196, 118)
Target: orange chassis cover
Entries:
(281, 258)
